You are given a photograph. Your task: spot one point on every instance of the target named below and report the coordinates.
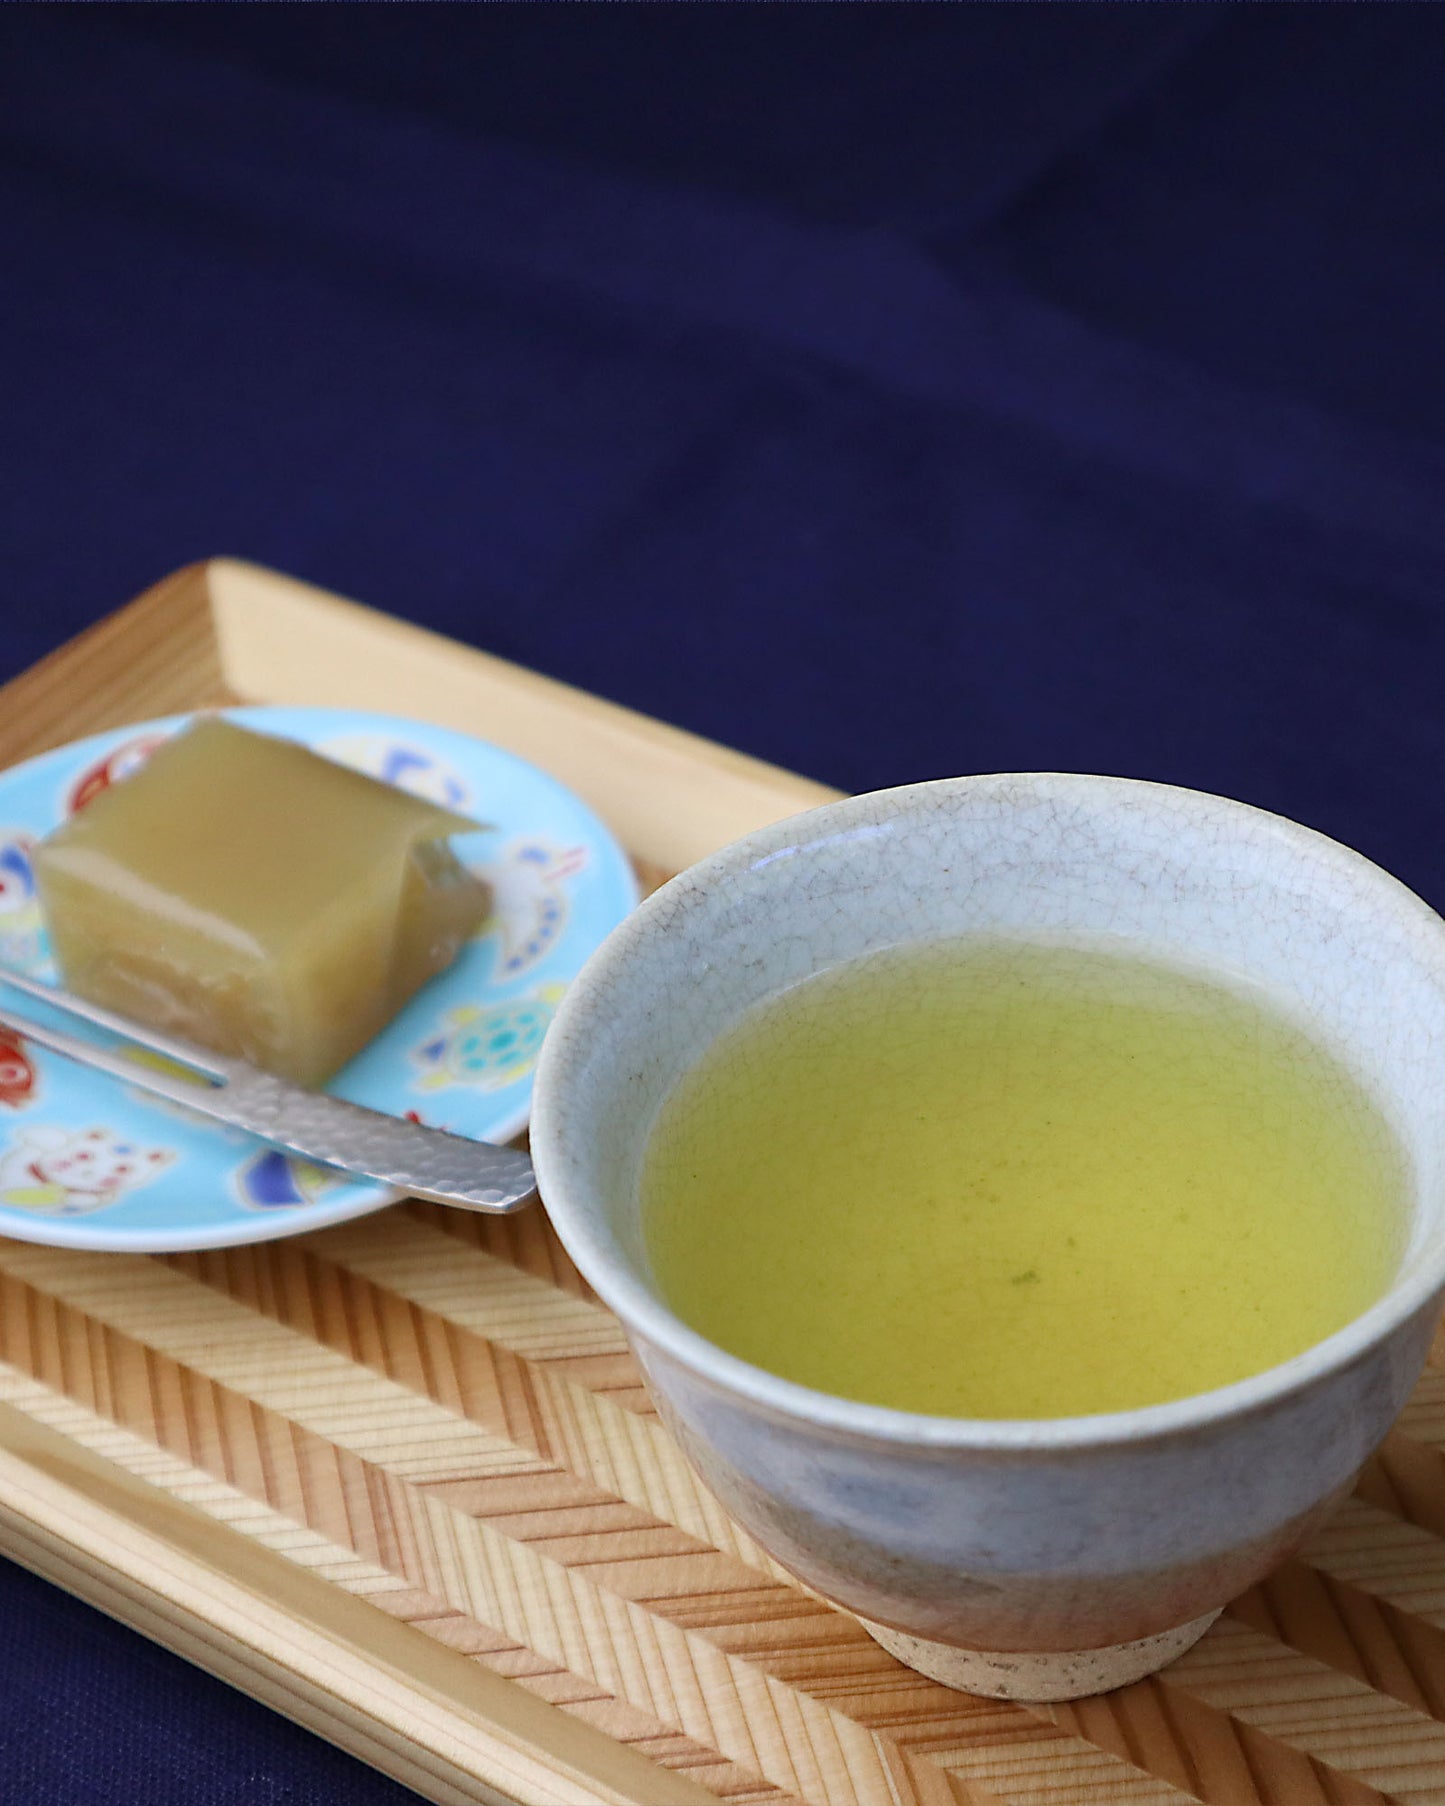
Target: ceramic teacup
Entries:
(1038, 1559)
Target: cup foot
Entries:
(1015, 1674)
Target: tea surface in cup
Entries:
(997, 1179)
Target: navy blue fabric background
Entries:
(889, 391)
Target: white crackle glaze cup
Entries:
(1039, 1559)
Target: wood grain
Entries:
(401, 1480)
(156, 657)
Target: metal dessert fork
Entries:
(423, 1162)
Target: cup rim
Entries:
(594, 1250)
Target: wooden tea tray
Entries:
(399, 1479)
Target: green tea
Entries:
(993, 1179)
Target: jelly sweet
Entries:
(253, 896)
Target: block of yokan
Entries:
(253, 896)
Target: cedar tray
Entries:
(399, 1478)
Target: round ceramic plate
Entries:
(87, 1163)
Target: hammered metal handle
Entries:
(421, 1161)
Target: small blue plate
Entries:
(87, 1163)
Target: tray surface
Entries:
(398, 1477)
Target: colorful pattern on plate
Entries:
(530, 885)
(71, 1172)
(110, 769)
(19, 1085)
(272, 1180)
(89, 1163)
(22, 930)
(403, 763)
(488, 1049)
